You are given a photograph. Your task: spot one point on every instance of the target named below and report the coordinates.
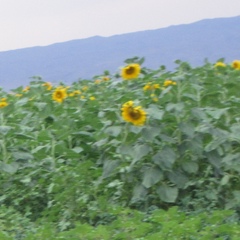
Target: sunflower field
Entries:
(138, 154)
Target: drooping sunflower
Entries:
(131, 71)
(236, 64)
(59, 94)
(135, 115)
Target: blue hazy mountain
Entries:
(209, 39)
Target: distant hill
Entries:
(84, 58)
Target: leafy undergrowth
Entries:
(154, 156)
(124, 223)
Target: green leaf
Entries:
(77, 149)
(40, 105)
(5, 129)
(230, 158)
(113, 131)
(50, 187)
(214, 158)
(9, 168)
(22, 156)
(140, 151)
(22, 102)
(187, 128)
(191, 96)
(26, 180)
(216, 113)
(23, 136)
(125, 149)
(190, 167)
(178, 107)
(139, 192)
(135, 129)
(83, 133)
(149, 133)
(152, 176)
(154, 112)
(178, 178)
(225, 180)
(38, 148)
(109, 167)
(215, 143)
(165, 158)
(167, 194)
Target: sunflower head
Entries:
(59, 95)
(26, 89)
(48, 85)
(97, 81)
(105, 78)
(219, 65)
(3, 104)
(168, 82)
(236, 64)
(131, 71)
(92, 98)
(135, 115)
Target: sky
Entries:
(28, 23)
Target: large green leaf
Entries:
(187, 128)
(178, 178)
(167, 194)
(23, 136)
(113, 130)
(149, 133)
(190, 167)
(152, 176)
(22, 156)
(165, 158)
(9, 168)
(154, 112)
(216, 113)
(109, 167)
(140, 151)
(139, 193)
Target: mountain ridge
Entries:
(84, 58)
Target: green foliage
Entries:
(160, 224)
(69, 163)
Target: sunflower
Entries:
(3, 104)
(92, 98)
(48, 85)
(135, 115)
(131, 71)
(26, 89)
(59, 94)
(105, 78)
(219, 64)
(85, 88)
(97, 81)
(236, 64)
(168, 82)
(74, 93)
(150, 86)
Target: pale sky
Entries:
(27, 23)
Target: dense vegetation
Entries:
(142, 154)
